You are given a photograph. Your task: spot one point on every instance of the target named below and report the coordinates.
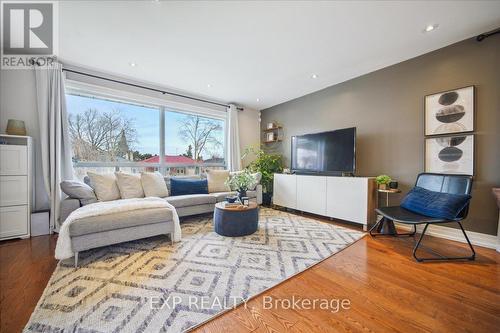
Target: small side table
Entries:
(387, 192)
(387, 227)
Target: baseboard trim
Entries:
(476, 238)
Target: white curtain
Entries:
(54, 133)
(233, 139)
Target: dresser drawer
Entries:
(13, 221)
(13, 160)
(13, 190)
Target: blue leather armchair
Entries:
(445, 183)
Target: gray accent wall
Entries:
(386, 107)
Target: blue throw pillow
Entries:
(179, 186)
(435, 204)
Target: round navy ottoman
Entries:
(233, 222)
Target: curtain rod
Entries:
(481, 37)
(148, 88)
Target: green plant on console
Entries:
(267, 164)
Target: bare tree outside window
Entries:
(102, 136)
(202, 134)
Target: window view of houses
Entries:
(110, 135)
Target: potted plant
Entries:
(241, 182)
(383, 181)
(267, 164)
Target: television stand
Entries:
(352, 199)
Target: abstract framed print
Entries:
(450, 112)
(450, 154)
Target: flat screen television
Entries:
(332, 152)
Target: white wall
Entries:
(18, 101)
(130, 89)
(249, 126)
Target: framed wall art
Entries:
(450, 154)
(450, 112)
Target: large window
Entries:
(194, 140)
(113, 134)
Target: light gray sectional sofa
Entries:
(93, 232)
(185, 205)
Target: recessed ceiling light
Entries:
(314, 76)
(430, 27)
(258, 99)
(132, 64)
(209, 85)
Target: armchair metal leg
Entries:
(76, 259)
(473, 256)
(440, 257)
(388, 229)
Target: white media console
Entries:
(352, 199)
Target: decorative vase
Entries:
(16, 127)
(242, 193)
(382, 186)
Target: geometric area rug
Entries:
(151, 286)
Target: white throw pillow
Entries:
(78, 190)
(154, 185)
(216, 181)
(130, 185)
(104, 185)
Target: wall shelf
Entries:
(272, 141)
(270, 135)
(272, 129)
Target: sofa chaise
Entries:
(97, 231)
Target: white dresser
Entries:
(15, 186)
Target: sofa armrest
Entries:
(67, 206)
(258, 190)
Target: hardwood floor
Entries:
(25, 268)
(388, 291)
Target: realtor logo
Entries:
(28, 28)
(28, 33)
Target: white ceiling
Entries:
(259, 50)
